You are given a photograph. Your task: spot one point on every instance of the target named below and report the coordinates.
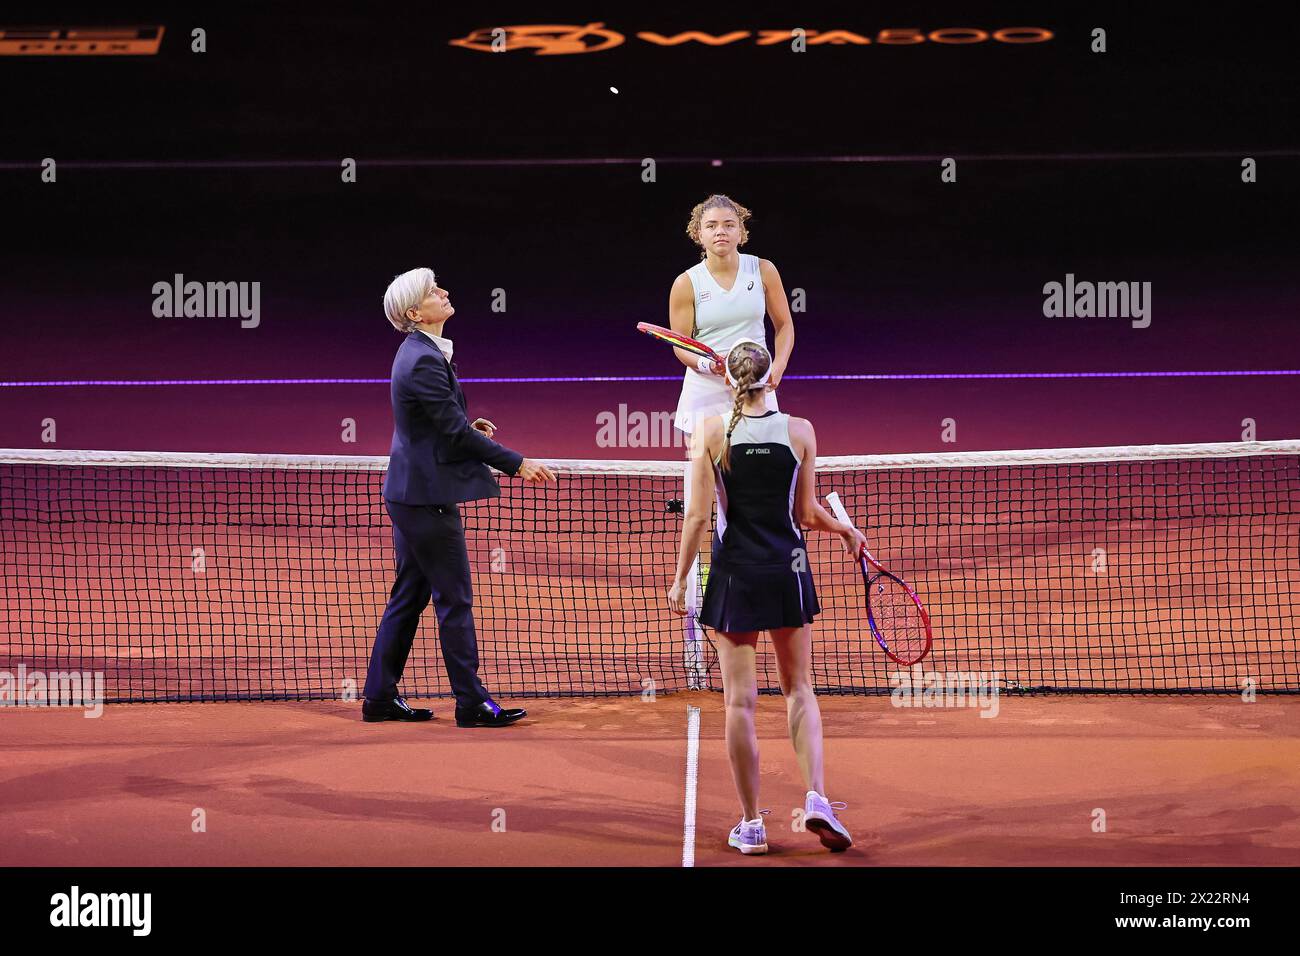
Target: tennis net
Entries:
(230, 577)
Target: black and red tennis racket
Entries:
(679, 340)
(896, 616)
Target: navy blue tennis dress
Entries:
(759, 577)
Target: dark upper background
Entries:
(902, 273)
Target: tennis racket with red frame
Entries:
(679, 340)
(896, 616)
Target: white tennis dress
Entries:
(722, 319)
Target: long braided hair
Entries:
(747, 363)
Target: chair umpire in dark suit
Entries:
(438, 459)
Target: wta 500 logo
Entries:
(563, 40)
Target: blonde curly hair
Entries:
(717, 201)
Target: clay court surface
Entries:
(1190, 781)
(1195, 592)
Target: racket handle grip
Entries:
(837, 506)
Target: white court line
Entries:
(692, 776)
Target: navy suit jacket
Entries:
(437, 458)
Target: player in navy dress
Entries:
(760, 466)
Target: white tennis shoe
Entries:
(750, 836)
(819, 817)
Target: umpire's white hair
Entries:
(406, 292)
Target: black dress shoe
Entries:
(373, 711)
(488, 714)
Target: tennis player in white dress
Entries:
(721, 300)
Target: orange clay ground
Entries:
(1196, 780)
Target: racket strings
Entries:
(898, 618)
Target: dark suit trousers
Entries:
(431, 562)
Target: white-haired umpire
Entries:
(438, 459)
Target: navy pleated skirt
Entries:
(757, 598)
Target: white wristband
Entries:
(705, 365)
